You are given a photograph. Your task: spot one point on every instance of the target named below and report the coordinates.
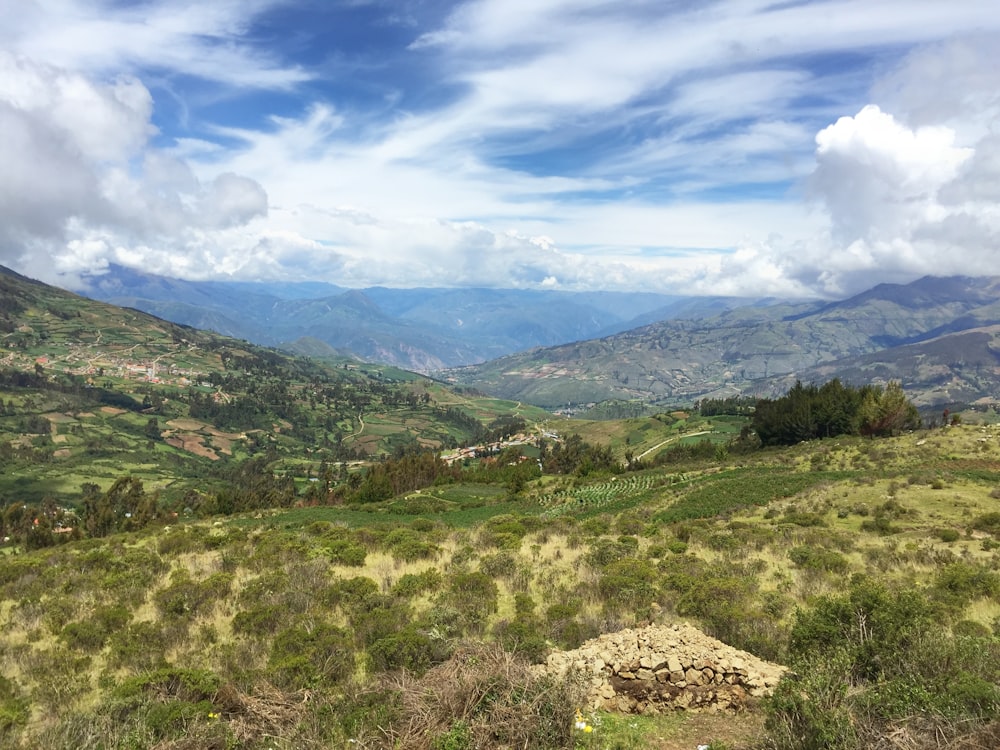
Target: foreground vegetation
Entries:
(870, 567)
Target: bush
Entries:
(947, 535)
(14, 709)
(869, 661)
(311, 655)
(484, 697)
(811, 712)
(376, 617)
(629, 585)
(185, 597)
(501, 564)
(259, 621)
(817, 558)
(365, 715)
(473, 596)
(414, 584)
(959, 583)
(345, 552)
(409, 648)
(988, 522)
(140, 645)
(410, 545)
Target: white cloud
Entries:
(81, 186)
(880, 179)
(584, 144)
(190, 37)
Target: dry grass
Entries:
(488, 693)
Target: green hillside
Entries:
(90, 392)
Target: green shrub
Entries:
(409, 648)
(870, 660)
(817, 558)
(184, 597)
(15, 709)
(345, 552)
(988, 522)
(349, 591)
(309, 655)
(365, 715)
(260, 621)
(629, 585)
(377, 616)
(414, 584)
(457, 737)
(947, 535)
(603, 552)
(524, 636)
(959, 583)
(473, 596)
(139, 645)
(410, 545)
(501, 564)
(802, 518)
(811, 711)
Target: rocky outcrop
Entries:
(664, 668)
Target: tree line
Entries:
(807, 412)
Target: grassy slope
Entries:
(817, 495)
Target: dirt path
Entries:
(671, 440)
(736, 731)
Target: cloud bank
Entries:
(731, 148)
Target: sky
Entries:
(740, 147)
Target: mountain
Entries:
(419, 329)
(927, 334)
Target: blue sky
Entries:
(735, 147)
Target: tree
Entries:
(885, 412)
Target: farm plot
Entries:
(598, 495)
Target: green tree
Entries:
(885, 412)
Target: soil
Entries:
(740, 731)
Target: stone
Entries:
(672, 667)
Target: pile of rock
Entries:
(663, 668)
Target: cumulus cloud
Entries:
(879, 179)
(81, 185)
(901, 203)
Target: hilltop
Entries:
(389, 623)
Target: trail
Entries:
(361, 428)
(671, 440)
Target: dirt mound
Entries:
(666, 667)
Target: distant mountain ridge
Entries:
(418, 329)
(939, 336)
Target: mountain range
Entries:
(418, 329)
(939, 336)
